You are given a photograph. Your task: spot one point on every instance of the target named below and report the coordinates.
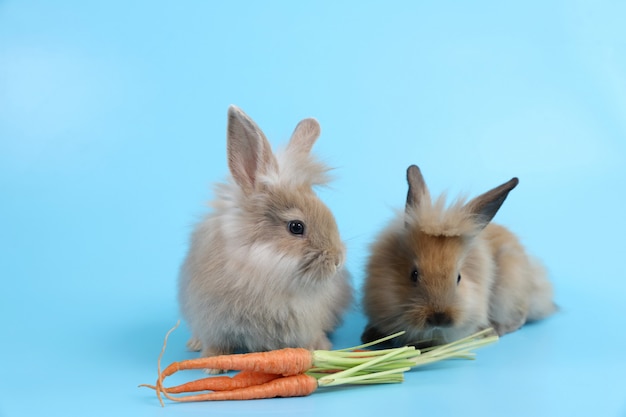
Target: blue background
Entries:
(112, 128)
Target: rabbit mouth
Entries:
(423, 338)
(321, 265)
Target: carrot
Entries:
(299, 385)
(219, 383)
(281, 362)
(285, 362)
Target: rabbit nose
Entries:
(439, 319)
(339, 259)
(338, 262)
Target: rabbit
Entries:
(442, 274)
(265, 269)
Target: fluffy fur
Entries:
(443, 273)
(248, 283)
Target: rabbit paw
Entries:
(194, 344)
(215, 352)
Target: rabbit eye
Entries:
(458, 279)
(415, 275)
(296, 227)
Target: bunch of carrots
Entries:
(297, 372)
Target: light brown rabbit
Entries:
(442, 273)
(265, 269)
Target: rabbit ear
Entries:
(249, 152)
(485, 206)
(304, 136)
(418, 192)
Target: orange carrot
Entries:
(288, 386)
(285, 362)
(281, 362)
(219, 383)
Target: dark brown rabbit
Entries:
(441, 273)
